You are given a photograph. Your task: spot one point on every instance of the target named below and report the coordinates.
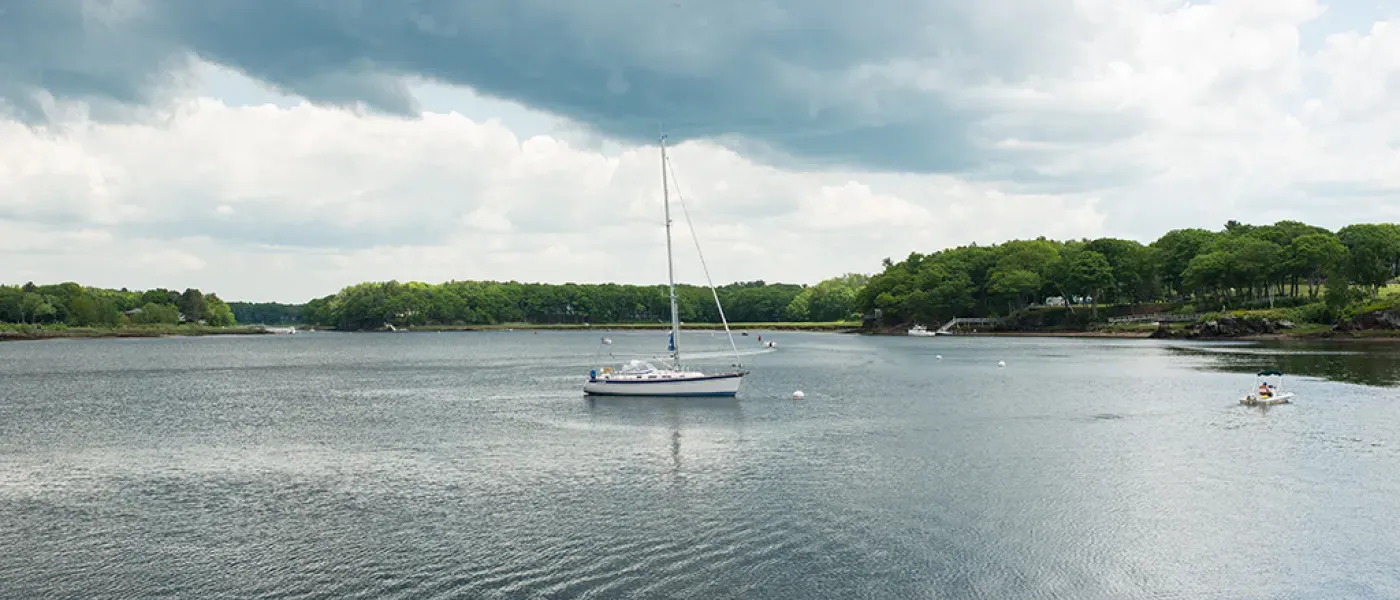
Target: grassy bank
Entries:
(14, 332)
(776, 326)
(1307, 331)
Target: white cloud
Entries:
(1246, 125)
(291, 201)
(173, 260)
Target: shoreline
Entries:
(18, 333)
(1274, 337)
(838, 327)
(37, 334)
(93, 333)
(1375, 336)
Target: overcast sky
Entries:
(283, 149)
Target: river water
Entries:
(440, 465)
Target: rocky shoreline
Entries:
(1227, 328)
(1382, 325)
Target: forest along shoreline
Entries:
(1381, 325)
(1288, 280)
(10, 332)
(36, 332)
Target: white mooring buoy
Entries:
(1001, 363)
(798, 395)
(938, 356)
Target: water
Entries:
(427, 465)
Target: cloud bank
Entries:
(813, 138)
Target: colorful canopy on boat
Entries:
(1271, 373)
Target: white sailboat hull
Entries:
(678, 386)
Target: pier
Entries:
(947, 328)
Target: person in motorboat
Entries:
(1265, 390)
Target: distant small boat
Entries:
(1266, 394)
(281, 330)
(921, 331)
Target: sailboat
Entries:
(670, 378)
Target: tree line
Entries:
(1239, 266)
(266, 313)
(372, 305)
(78, 306)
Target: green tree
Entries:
(1089, 275)
(1339, 290)
(157, 314)
(1371, 250)
(1257, 261)
(1131, 268)
(159, 296)
(1174, 252)
(1015, 285)
(1210, 271)
(192, 305)
(109, 313)
(83, 312)
(831, 300)
(1315, 254)
(35, 308)
(80, 306)
(217, 312)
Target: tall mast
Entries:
(670, 263)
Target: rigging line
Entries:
(738, 362)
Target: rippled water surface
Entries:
(427, 465)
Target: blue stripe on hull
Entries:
(690, 395)
(672, 380)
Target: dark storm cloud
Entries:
(815, 81)
(95, 52)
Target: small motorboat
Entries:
(920, 331)
(1266, 394)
